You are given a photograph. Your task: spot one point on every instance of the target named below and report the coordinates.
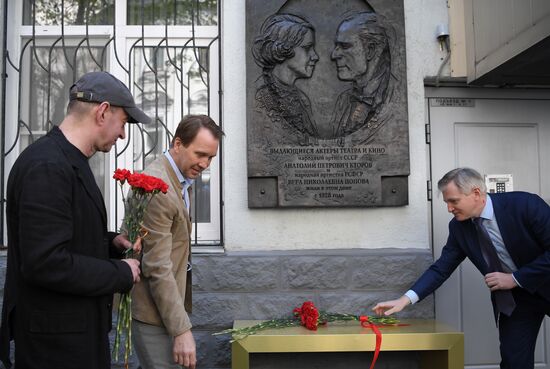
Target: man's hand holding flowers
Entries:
(122, 243)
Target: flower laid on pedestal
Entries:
(308, 316)
(143, 187)
(311, 318)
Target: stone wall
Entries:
(264, 285)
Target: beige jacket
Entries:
(158, 299)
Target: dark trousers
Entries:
(518, 333)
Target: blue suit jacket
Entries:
(524, 223)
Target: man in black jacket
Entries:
(63, 265)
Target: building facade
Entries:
(181, 57)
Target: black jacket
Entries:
(60, 279)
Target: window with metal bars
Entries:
(166, 51)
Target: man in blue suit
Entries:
(517, 229)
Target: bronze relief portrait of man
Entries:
(326, 103)
(362, 56)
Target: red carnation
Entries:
(161, 186)
(308, 314)
(148, 184)
(121, 175)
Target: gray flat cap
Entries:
(102, 86)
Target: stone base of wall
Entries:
(265, 285)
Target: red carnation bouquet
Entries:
(143, 187)
(308, 314)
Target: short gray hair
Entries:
(369, 27)
(465, 179)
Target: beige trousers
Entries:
(153, 346)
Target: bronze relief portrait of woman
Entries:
(285, 50)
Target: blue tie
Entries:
(503, 300)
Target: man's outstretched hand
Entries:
(393, 306)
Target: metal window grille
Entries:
(168, 53)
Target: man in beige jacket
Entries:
(161, 327)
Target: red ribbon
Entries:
(366, 324)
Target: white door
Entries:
(495, 132)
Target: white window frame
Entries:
(207, 233)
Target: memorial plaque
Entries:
(326, 105)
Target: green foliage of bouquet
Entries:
(143, 188)
(310, 317)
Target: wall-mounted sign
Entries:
(452, 102)
(497, 183)
(327, 117)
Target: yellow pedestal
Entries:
(439, 345)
